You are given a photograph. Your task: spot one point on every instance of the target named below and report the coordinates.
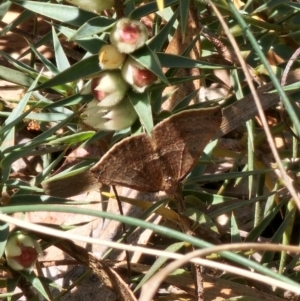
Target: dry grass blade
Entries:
(150, 287)
(288, 181)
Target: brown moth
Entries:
(161, 161)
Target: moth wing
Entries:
(181, 139)
(132, 163)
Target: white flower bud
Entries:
(110, 58)
(137, 75)
(109, 88)
(22, 251)
(128, 35)
(114, 118)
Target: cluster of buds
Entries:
(111, 109)
(22, 251)
(127, 36)
(113, 118)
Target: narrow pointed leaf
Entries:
(77, 71)
(63, 13)
(93, 26)
(142, 106)
(62, 62)
(184, 11)
(157, 42)
(146, 57)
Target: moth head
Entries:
(169, 185)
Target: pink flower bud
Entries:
(128, 35)
(137, 75)
(109, 88)
(21, 252)
(110, 57)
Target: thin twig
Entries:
(283, 82)
(288, 181)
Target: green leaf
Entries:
(146, 57)
(15, 76)
(72, 139)
(63, 13)
(93, 26)
(268, 5)
(21, 199)
(266, 43)
(200, 218)
(71, 171)
(65, 30)
(177, 61)
(257, 231)
(12, 154)
(160, 261)
(91, 44)
(12, 284)
(185, 102)
(47, 117)
(4, 7)
(69, 101)
(84, 68)
(236, 204)
(46, 39)
(174, 81)
(156, 228)
(38, 179)
(16, 115)
(158, 41)
(292, 87)
(289, 106)
(142, 106)
(149, 8)
(268, 256)
(184, 6)
(222, 177)
(291, 4)
(22, 17)
(36, 283)
(234, 231)
(45, 61)
(4, 231)
(18, 64)
(62, 62)
(33, 73)
(24, 186)
(208, 198)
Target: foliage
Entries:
(245, 176)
